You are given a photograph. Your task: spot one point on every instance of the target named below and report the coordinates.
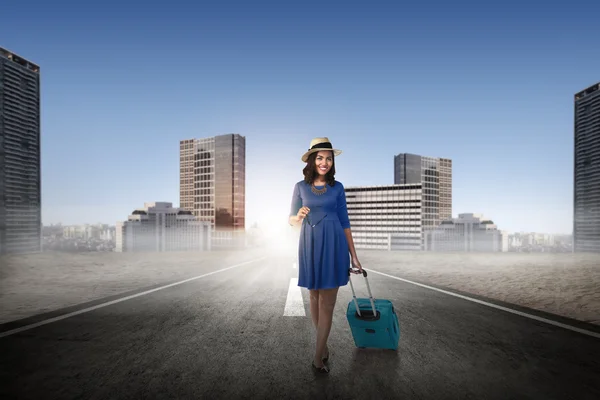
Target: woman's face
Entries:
(324, 161)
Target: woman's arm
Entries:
(345, 221)
(296, 216)
(351, 248)
(294, 220)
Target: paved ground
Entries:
(225, 335)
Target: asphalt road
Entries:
(225, 336)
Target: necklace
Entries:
(318, 192)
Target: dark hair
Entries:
(310, 171)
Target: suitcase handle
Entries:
(367, 315)
(351, 270)
(374, 316)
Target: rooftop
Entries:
(383, 187)
(587, 91)
(19, 60)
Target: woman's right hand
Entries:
(302, 212)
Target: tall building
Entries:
(160, 227)
(586, 193)
(213, 180)
(435, 176)
(468, 232)
(20, 173)
(385, 217)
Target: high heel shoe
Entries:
(321, 370)
(326, 358)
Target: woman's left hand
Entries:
(356, 265)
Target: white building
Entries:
(74, 232)
(107, 234)
(160, 227)
(87, 232)
(385, 217)
(468, 232)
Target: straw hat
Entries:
(319, 144)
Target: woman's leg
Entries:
(327, 299)
(314, 313)
(314, 307)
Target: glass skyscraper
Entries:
(20, 172)
(586, 191)
(213, 180)
(435, 176)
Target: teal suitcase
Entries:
(374, 323)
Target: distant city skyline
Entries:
(259, 226)
(492, 90)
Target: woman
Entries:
(326, 248)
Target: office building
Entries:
(586, 193)
(467, 233)
(158, 227)
(435, 176)
(385, 217)
(212, 180)
(20, 173)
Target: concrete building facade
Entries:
(385, 217)
(158, 227)
(586, 190)
(20, 163)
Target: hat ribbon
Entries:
(324, 145)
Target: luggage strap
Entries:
(375, 315)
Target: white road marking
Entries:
(108, 303)
(294, 305)
(523, 314)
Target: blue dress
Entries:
(323, 253)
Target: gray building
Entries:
(158, 227)
(386, 217)
(435, 175)
(213, 180)
(20, 173)
(586, 193)
(469, 232)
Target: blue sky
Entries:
(488, 85)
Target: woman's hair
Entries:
(310, 171)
